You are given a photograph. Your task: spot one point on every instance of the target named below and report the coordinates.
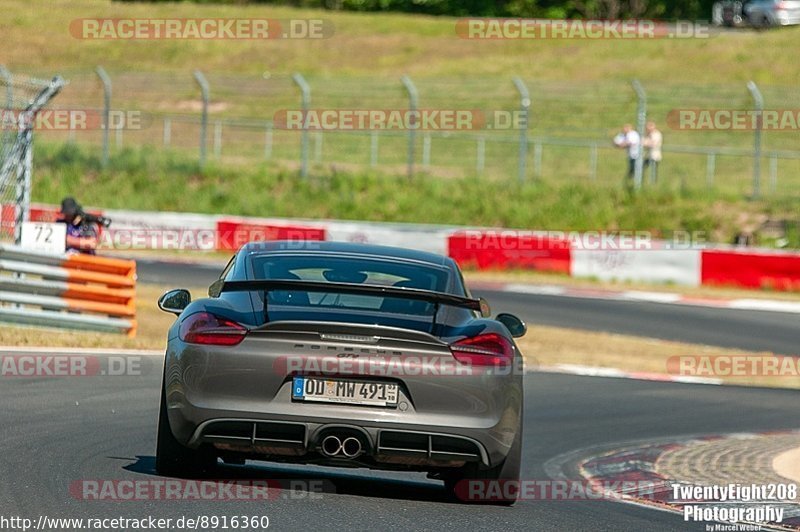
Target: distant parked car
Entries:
(764, 13)
(756, 13)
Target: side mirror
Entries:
(486, 310)
(515, 326)
(175, 301)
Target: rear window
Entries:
(350, 270)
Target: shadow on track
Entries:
(296, 481)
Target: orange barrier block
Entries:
(122, 267)
(122, 296)
(108, 279)
(127, 310)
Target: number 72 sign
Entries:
(43, 236)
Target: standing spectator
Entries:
(81, 229)
(652, 141)
(629, 140)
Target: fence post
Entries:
(106, 80)
(758, 100)
(318, 139)
(217, 139)
(167, 131)
(641, 118)
(593, 161)
(711, 163)
(305, 103)
(204, 91)
(480, 158)
(373, 148)
(268, 142)
(6, 76)
(773, 173)
(413, 101)
(426, 150)
(524, 107)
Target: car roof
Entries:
(372, 250)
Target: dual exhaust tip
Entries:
(341, 447)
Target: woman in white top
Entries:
(652, 141)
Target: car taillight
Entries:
(205, 328)
(489, 349)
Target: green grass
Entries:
(580, 88)
(154, 180)
(374, 44)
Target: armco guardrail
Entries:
(84, 292)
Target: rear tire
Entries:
(505, 475)
(174, 459)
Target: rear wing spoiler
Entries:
(437, 298)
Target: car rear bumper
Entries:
(388, 445)
(240, 399)
(422, 446)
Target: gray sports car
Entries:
(344, 355)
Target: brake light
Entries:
(208, 329)
(490, 349)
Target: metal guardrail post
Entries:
(106, 80)
(641, 119)
(758, 101)
(524, 107)
(205, 94)
(413, 103)
(305, 104)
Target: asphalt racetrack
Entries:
(59, 431)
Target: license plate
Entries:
(351, 392)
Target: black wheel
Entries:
(174, 459)
(499, 484)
